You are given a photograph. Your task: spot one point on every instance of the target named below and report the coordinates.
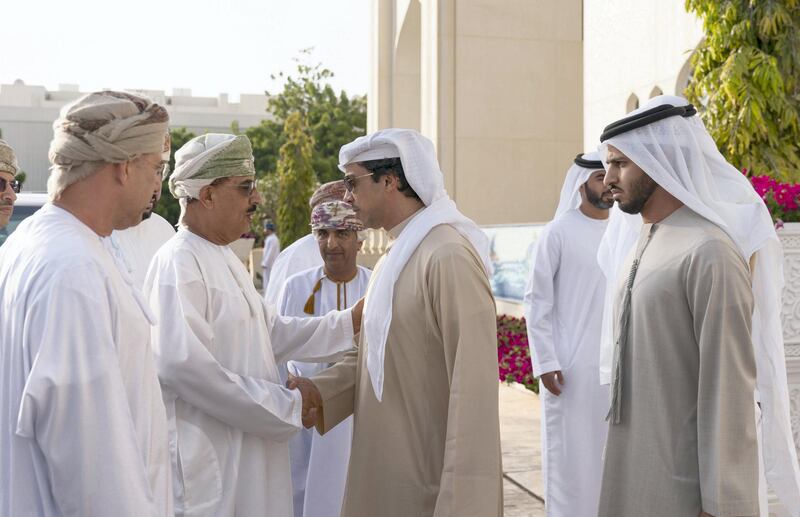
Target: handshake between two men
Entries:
(312, 398)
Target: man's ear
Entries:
(121, 172)
(391, 181)
(206, 196)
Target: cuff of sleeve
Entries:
(297, 409)
(336, 406)
(347, 326)
(549, 366)
(745, 508)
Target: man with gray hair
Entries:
(218, 344)
(83, 429)
(9, 186)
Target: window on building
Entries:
(633, 103)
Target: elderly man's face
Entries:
(629, 185)
(7, 198)
(143, 174)
(233, 203)
(338, 248)
(366, 197)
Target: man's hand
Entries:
(358, 308)
(549, 381)
(312, 399)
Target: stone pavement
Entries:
(520, 442)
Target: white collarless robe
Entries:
(83, 430)
(216, 351)
(563, 309)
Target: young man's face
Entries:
(338, 248)
(366, 197)
(7, 198)
(595, 191)
(629, 185)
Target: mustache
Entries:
(252, 209)
(7, 203)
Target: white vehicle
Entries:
(27, 204)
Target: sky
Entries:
(208, 46)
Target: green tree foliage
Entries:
(332, 119)
(746, 80)
(296, 181)
(168, 206)
(269, 188)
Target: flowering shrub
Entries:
(513, 353)
(781, 198)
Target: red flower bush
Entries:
(513, 353)
(781, 198)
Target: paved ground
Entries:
(519, 436)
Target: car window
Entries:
(19, 214)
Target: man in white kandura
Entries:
(138, 244)
(319, 463)
(564, 317)
(697, 274)
(83, 430)
(303, 253)
(422, 384)
(218, 344)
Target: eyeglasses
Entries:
(16, 186)
(350, 181)
(246, 188)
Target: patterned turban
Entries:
(331, 191)
(8, 161)
(205, 158)
(109, 126)
(336, 215)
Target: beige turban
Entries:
(109, 126)
(8, 161)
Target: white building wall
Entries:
(631, 47)
(27, 113)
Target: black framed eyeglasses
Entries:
(16, 186)
(350, 181)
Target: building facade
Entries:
(27, 113)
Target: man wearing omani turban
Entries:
(83, 428)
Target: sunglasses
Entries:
(350, 181)
(16, 186)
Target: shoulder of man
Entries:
(445, 242)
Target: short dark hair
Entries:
(393, 166)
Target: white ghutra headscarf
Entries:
(678, 153)
(421, 169)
